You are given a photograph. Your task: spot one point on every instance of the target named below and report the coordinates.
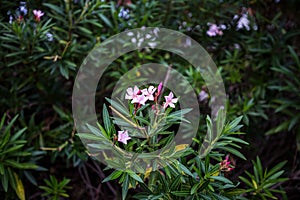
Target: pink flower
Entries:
(140, 99)
(132, 93)
(170, 101)
(37, 15)
(148, 93)
(123, 136)
(214, 30)
(225, 165)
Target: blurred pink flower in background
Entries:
(215, 30)
(37, 15)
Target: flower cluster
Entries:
(242, 21)
(140, 97)
(225, 165)
(23, 11)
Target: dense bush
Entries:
(255, 45)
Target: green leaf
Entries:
(116, 174)
(64, 71)
(19, 187)
(118, 107)
(90, 136)
(106, 20)
(4, 180)
(106, 119)
(125, 186)
(184, 169)
(181, 193)
(176, 183)
(220, 197)
(294, 55)
(17, 134)
(8, 127)
(222, 179)
(233, 151)
(134, 176)
(18, 165)
(1, 169)
(246, 181)
(14, 148)
(276, 168)
(234, 139)
(55, 8)
(94, 130)
(61, 113)
(235, 122)
(86, 31)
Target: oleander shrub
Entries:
(255, 46)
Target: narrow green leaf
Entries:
(55, 8)
(106, 119)
(116, 174)
(222, 179)
(233, 151)
(125, 186)
(17, 134)
(90, 136)
(135, 176)
(106, 20)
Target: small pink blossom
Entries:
(140, 99)
(132, 93)
(170, 101)
(148, 93)
(214, 30)
(123, 136)
(225, 165)
(37, 15)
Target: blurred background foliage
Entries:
(39, 59)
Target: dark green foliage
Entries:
(261, 72)
(54, 190)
